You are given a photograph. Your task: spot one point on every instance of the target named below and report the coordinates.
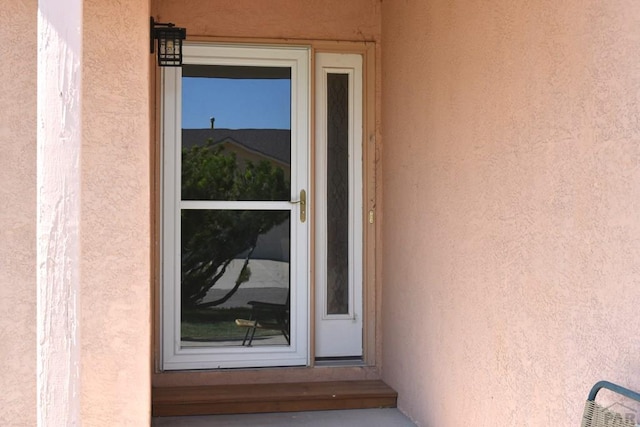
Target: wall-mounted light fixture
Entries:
(169, 43)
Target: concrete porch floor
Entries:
(382, 417)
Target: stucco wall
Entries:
(322, 20)
(115, 237)
(18, 213)
(512, 192)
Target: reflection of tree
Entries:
(211, 239)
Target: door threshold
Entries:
(339, 361)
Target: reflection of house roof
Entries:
(272, 143)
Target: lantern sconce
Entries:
(169, 43)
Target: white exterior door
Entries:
(235, 274)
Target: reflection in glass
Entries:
(213, 172)
(231, 259)
(236, 146)
(337, 194)
(236, 136)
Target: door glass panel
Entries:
(236, 133)
(234, 273)
(337, 194)
(236, 146)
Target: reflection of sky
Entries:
(236, 103)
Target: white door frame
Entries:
(174, 355)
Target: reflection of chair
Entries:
(266, 315)
(596, 415)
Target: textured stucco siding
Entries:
(115, 257)
(511, 207)
(18, 213)
(112, 177)
(355, 20)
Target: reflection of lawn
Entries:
(215, 324)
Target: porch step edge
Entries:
(281, 397)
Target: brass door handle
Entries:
(303, 205)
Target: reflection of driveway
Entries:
(242, 296)
(257, 341)
(269, 282)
